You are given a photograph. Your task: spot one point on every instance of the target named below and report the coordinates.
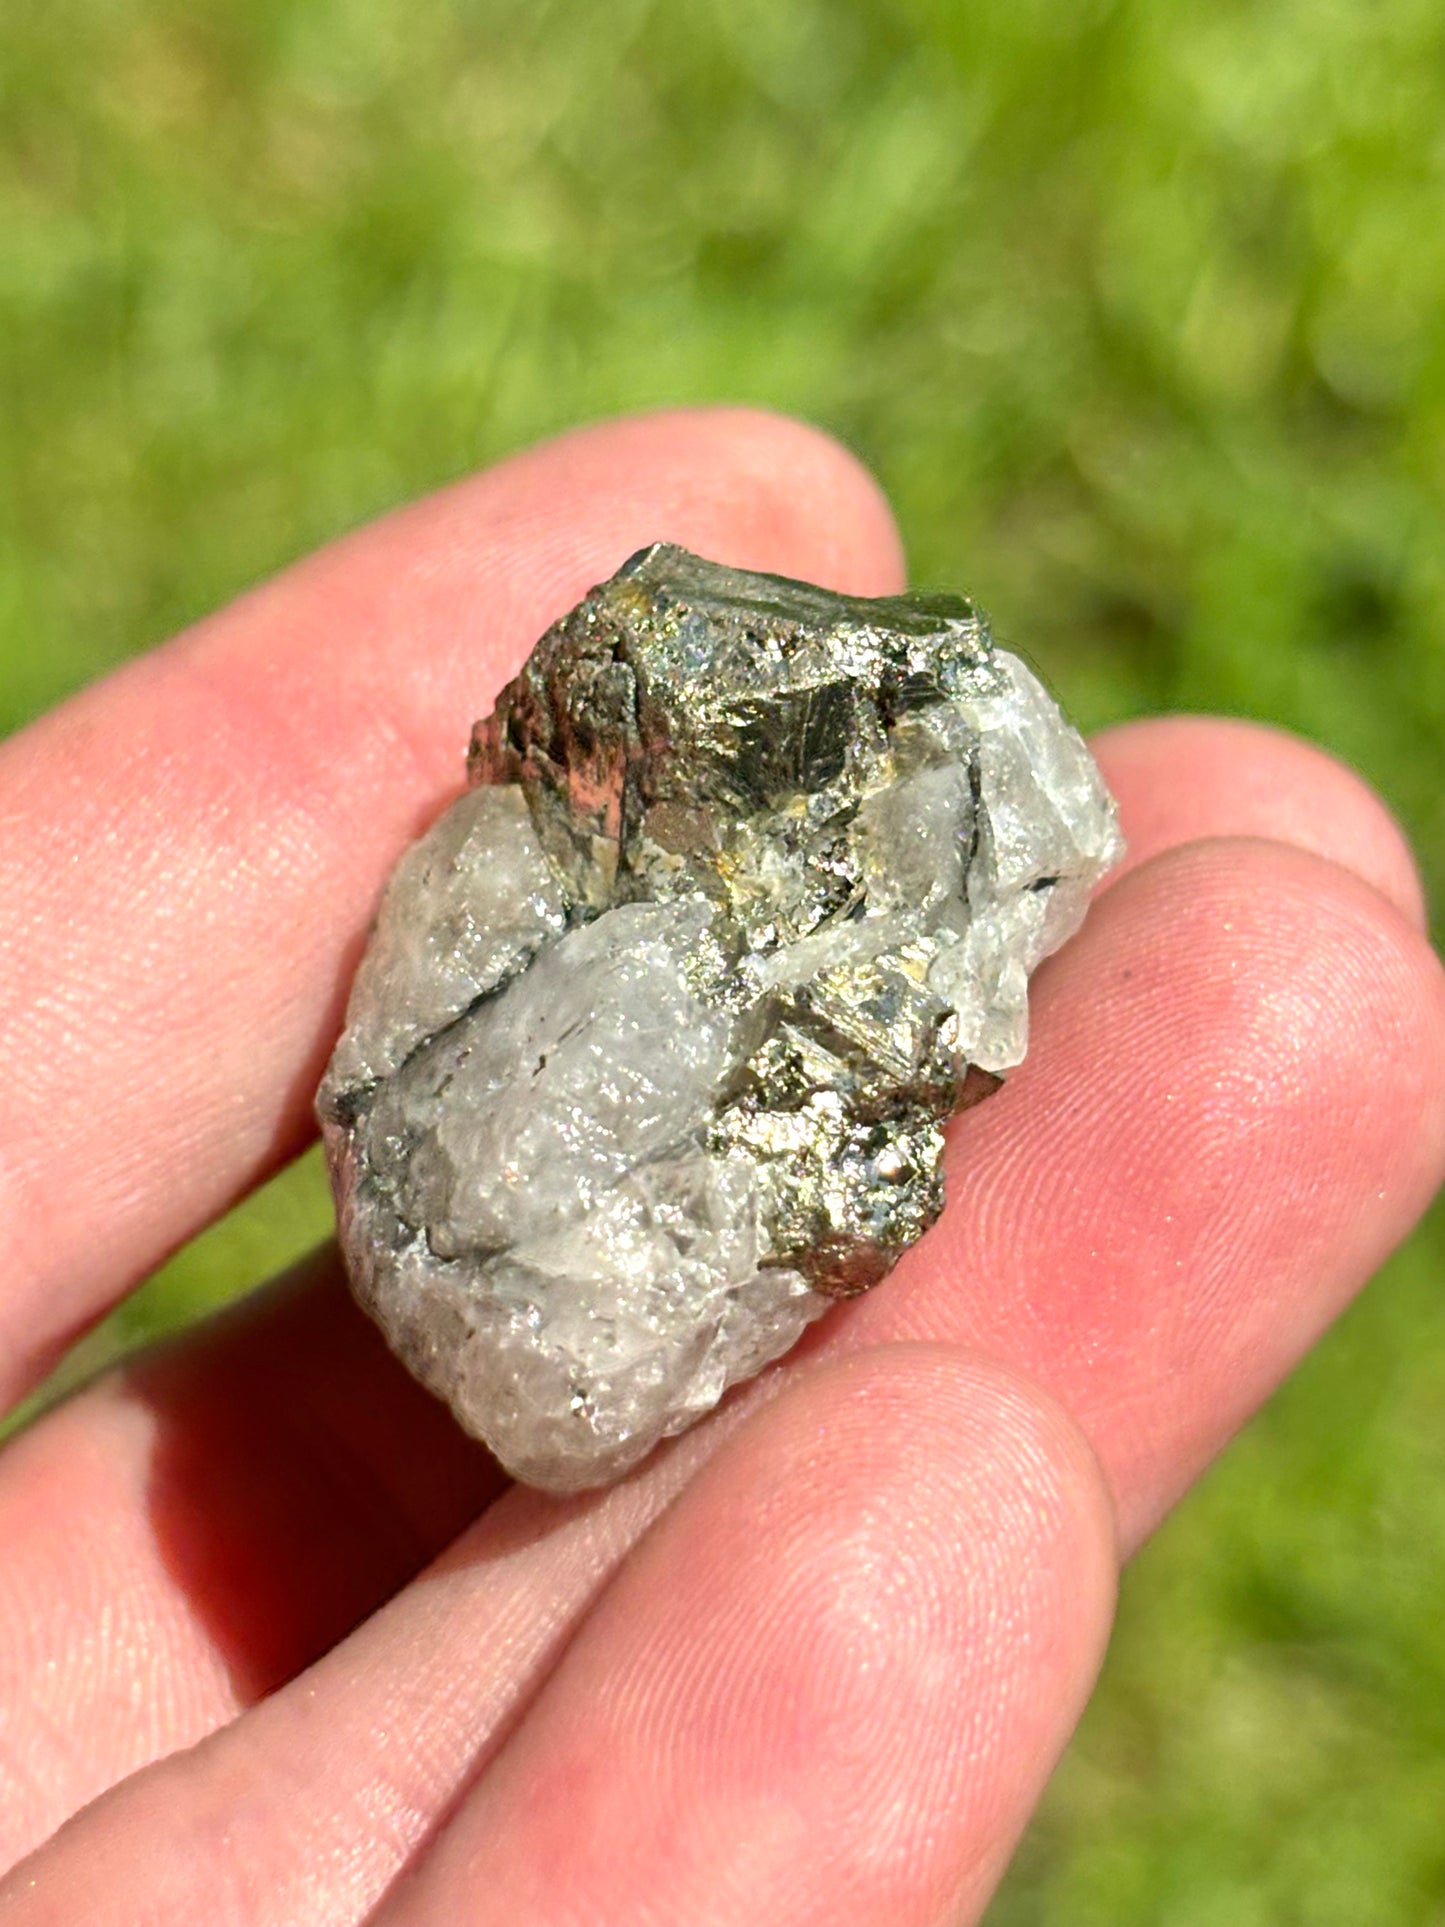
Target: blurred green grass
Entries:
(1139, 313)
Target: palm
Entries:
(815, 1661)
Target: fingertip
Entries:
(1180, 778)
(946, 1535)
(922, 1570)
(926, 1417)
(741, 485)
(775, 492)
(832, 1679)
(964, 1468)
(1238, 1072)
(1298, 1009)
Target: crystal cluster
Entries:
(651, 1051)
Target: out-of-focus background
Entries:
(1139, 312)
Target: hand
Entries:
(275, 1644)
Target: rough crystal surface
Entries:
(651, 1050)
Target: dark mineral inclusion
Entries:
(651, 1051)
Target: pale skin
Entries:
(278, 1648)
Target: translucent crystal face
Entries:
(651, 1050)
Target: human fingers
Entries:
(193, 846)
(828, 1684)
(191, 1531)
(1232, 1111)
(183, 1395)
(1179, 778)
(1185, 1300)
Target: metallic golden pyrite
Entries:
(651, 1051)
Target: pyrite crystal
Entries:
(650, 1054)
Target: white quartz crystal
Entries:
(652, 1046)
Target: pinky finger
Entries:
(829, 1685)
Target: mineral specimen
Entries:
(650, 1054)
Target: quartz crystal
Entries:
(651, 1051)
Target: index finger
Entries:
(193, 846)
